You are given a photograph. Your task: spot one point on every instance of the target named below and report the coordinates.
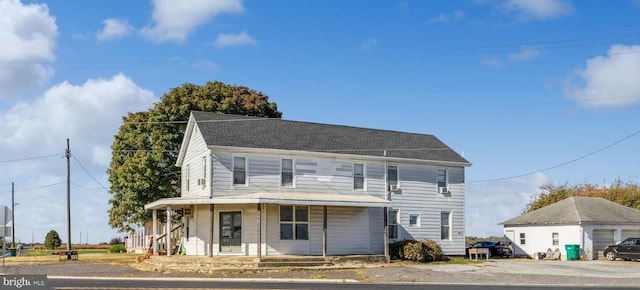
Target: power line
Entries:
(28, 158)
(90, 175)
(561, 164)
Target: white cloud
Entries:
(524, 54)
(369, 45)
(490, 203)
(174, 20)
(237, 39)
(28, 35)
(444, 18)
(89, 115)
(607, 81)
(114, 29)
(538, 9)
(491, 62)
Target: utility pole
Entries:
(13, 220)
(68, 155)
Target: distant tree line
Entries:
(624, 193)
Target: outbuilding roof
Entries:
(271, 133)
(579, 210)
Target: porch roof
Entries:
(275, 198)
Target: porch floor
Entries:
(201, 264)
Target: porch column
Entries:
(386, 235)
(324, 231)
(168, 235)
(211, 221)
(259, 233)
(154, 232)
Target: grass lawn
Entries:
(84, 256)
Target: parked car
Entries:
(628, 249)
(498, 249)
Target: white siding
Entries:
(197, 150)
(539, 239)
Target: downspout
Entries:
(386, 211)
(211, 221)
(211, 176)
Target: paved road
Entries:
(507, 272)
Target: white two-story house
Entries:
(265, 187)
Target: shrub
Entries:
(423, 251)
(119, 248)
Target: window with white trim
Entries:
(523, 240)
(286, 174)
(239, 170)
(358, 176)
(204, 171)
(445, 225)
(555, 239)
(392, 223)
(188, 176)
(414, 220)
(443, 184)
(294, 222)
(392, 176)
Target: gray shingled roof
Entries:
(575, 210)
(269, 133)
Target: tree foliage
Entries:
(52, 240)
(627, 194)
(145, 150)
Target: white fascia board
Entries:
(185, 140)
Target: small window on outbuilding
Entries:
(523, 241)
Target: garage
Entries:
(630, 234)
(601, 239)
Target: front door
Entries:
(231, 232)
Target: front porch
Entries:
(263, 225)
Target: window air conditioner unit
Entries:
(187, 212)
(202, 182)
(443, 189)
(393, 187)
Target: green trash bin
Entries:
(12, 252)
(573, 252)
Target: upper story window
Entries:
(443, 181)
(188, 176)
(286, 177)
(239, 170)
(392, 176)
(358, 176)
(204, 172)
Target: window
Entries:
(239, 170)
(294, 222)
(188, 176)
(442, 180)
(358, 176)
(445, 225)
(414, 220)
(286, 177)
(392, 176)
(392, 221)
(204, 171)
(555, 239)
(522, 239)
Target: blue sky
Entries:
(515, 86)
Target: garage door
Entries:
(601, 239)
(630, 234)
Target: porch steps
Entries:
(287, 261)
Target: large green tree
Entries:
(145, 149)
(627, 194)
